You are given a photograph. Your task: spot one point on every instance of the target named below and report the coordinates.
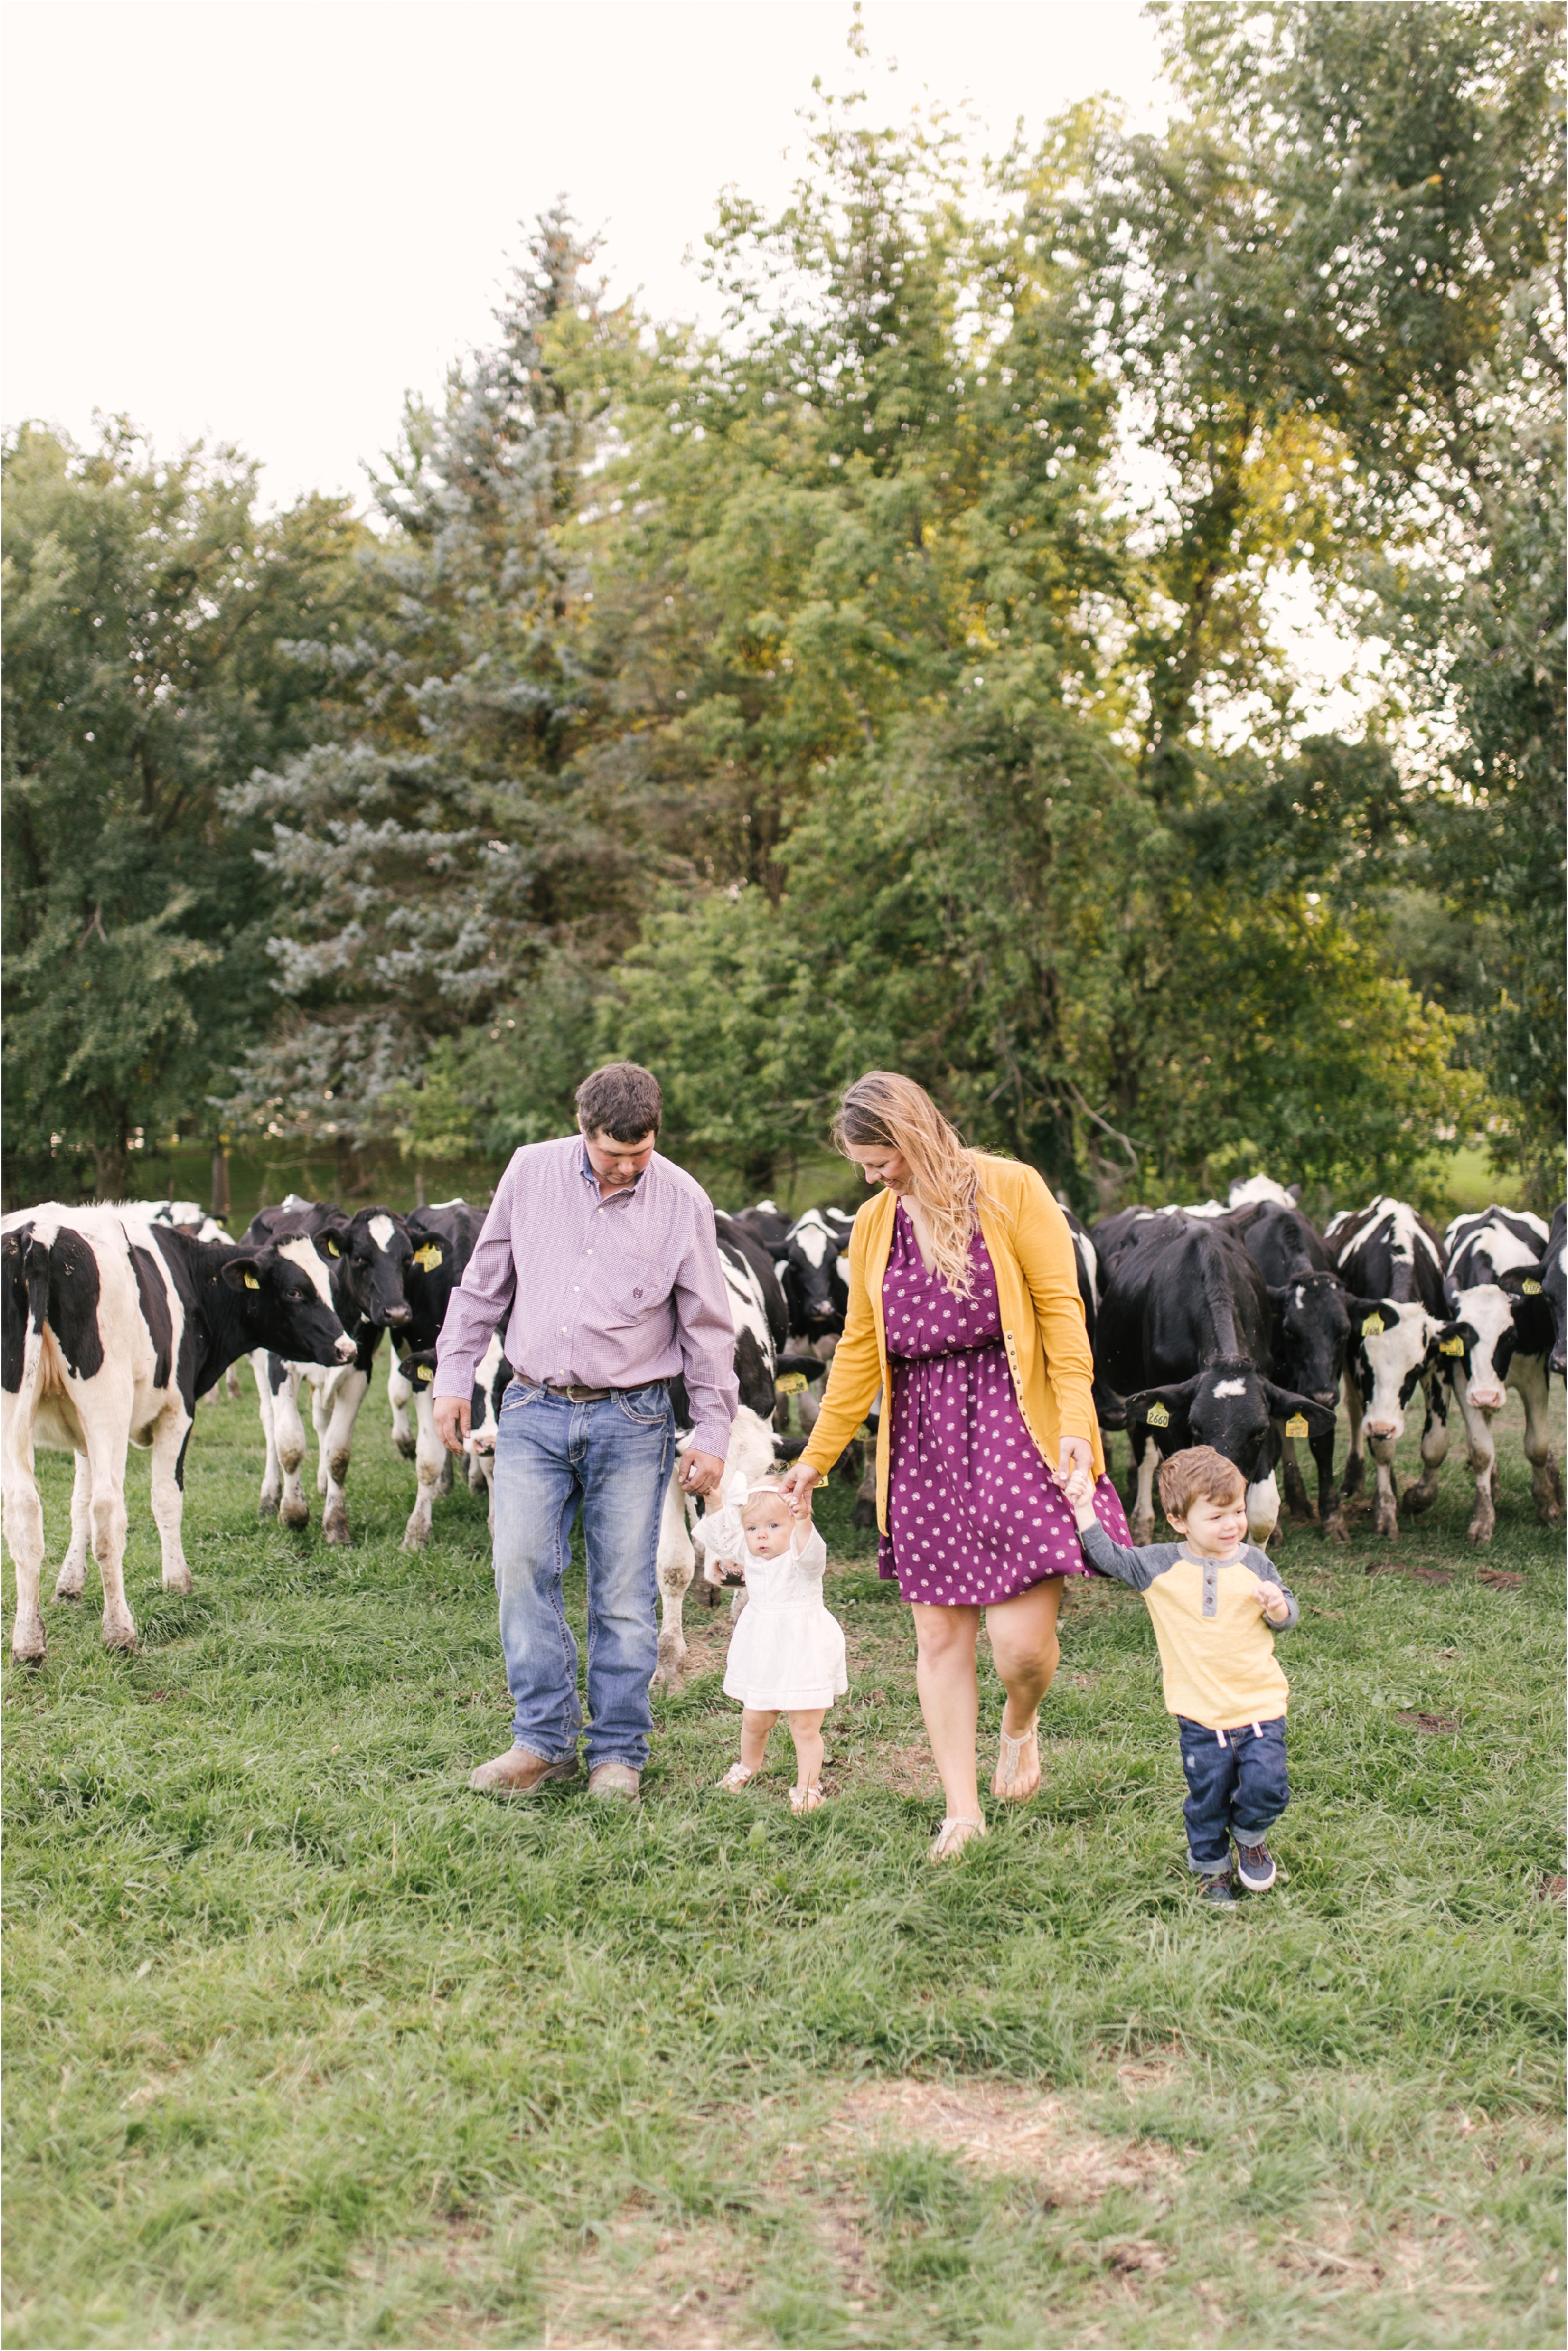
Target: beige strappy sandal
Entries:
(1009, 1758)
(953, 1835)
(807, 1800)
(736, 1778)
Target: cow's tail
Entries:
(28, 1274)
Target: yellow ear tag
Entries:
(1531, 1289)
(1451, 1347)
(424, 1373)
(1297, 1425)
(428, 1258)
(1372, 1326)
(333, 1251)
(251, 1283)
(790, 1384)
(1158, 1417)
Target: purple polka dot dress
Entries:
(974, 1516)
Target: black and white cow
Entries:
(112, 1328)
(1310, 1330)
(1392, 1264)
(492, 1378)
(187, 1217)
(441, 1242)
(1553, 1275)
(1185, 1337)
(368, 1256)
(751, 1441)
(1108, 1409)
(1499, 1336)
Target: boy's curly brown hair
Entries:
(1197, 1474)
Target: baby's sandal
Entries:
(736, 1778)
(807, 1800)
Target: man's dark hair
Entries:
(622, 1100)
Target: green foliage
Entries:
(150, 620)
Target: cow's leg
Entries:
(170, 1438)
(1296, 1500)
(1146, 1461)
(71, 1581)
(701, 1593)
(24, 1534)
(1353, 1492)
(1331, 1511)
(1481, 1452)
(1527, 1374)
(811, 1406)
(400, 1395)
(487, 1465)
(293, 1507)
(349, 1391)
(1263, 1510)
(477, 1481)
(1385, 1506)
(231, 1384)
(675, 1566)
(321, 1419)
(1434, 1445)
(106, 1466)
(268, 1368)
(430, 1459)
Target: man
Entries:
(603, 1258)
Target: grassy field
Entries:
(306, 2045)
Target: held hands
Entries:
(1273, 1603)
(796, 1486)
(1075, 1475)
(700, 1473)
(452, 1415)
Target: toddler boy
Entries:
(1209, 1596)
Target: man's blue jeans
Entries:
(1237, 1787)
(616, 1458)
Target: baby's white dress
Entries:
(786, 1653)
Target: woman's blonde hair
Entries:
(883, 1110)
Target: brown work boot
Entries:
(615, 1780)
(518, 1774)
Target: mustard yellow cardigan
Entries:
(1042, 1313)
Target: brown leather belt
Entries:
(580, 1394)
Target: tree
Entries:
(153, 622)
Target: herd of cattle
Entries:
(1234, 1324)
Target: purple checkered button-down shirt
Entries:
(612, 1293)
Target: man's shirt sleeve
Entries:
(704, 1334)
(482, 1300)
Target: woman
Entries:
(964, 1310)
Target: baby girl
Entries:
(786, 1654)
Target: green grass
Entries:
(306, 2044)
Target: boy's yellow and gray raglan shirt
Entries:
(1216, 1644)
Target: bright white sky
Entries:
(261, 221)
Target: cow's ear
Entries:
(1453, 1339)
(332, 1240)
(1283, 1405)
(1379, 1312)
(244, 1273)
(1163, 1408)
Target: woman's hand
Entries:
(1075, 1455)
(796, 1486)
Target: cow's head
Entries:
(809, 1277)
(1537, 1299)
(1481, 1338)
(1392, 1343)
(374, 1256)
(1232, 1407)
(284, 1293)
(1311, 1332)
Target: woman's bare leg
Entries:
(949, 1699)
(1027, 1654)
(754, 1726)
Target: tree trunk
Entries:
(108, 1164)
(221, 1183)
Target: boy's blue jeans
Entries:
(1236, 1787)
(614, 1457)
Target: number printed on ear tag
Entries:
(251, 1283)
(1531, 1289)
(425, 1373)
(428, 1258)
(1451, 1347)
(1158, 1417)
(1297, 1425)
(1373, 1326)
(790, 1384)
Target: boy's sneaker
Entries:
(1255, 1867)
(1218, 1890)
